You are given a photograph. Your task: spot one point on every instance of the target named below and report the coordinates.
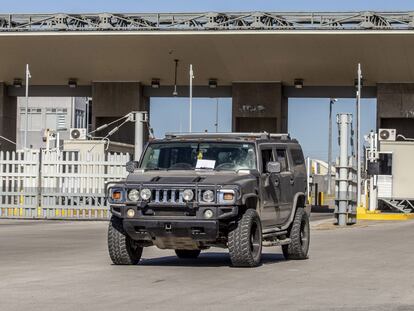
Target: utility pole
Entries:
(191, 99)
(358, 134)
(331, 102)
(28, 76)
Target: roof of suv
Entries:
(234, 136)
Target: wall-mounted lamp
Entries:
(298, 83)
(155, 83)
(212, 83)
(17, 82)
(72, 83)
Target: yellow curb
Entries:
(363, 214)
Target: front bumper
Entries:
(154, 229)
(186, 229)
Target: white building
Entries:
(58, 114)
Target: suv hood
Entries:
(189, 177)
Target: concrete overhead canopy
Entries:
(320, 53)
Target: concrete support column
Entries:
(259, 107)
(8, 111)
(395, 107)
(112, 100)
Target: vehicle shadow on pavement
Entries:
(210, 259)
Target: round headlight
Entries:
(208, 196)
(145, 194)
(133, 195)
(188, 195)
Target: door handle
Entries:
(292, 181)
(277, 182)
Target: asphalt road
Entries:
(64, 266)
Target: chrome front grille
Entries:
(167, 196)
(175, 196)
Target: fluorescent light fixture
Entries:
(72, 83)
(155, 83)
(212, 83)
(17, 82)
(298, 83)
(356, 82)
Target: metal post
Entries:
(373, 157)
(190, 127)
(343, 120)
(331, 102)
(358, 140)
(27, 105)
(139, 117)
(217, 113)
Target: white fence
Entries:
(50, 184)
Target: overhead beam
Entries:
(365, 20)
(51, 91)
(198, 91)
(329, 92)
(184, 91)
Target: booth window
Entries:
(385, 164)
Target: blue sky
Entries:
(308, 118)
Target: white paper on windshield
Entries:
(203, 164)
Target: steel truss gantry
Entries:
(208, 21)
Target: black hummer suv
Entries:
(189, 192)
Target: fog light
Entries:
(130, 213)
(208, 213)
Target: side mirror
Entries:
(273, 167)
(131, 166)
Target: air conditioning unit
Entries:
(387, 134)
(77, 133)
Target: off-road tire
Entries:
(245, 241)
(299, 234)
(122, 249)
(187, 253)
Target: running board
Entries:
(272, 234)
(276, 242)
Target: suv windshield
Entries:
(196, 155)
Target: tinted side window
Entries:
(297, 157)
(267, 156)
(281, 158)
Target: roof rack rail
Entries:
(260, 135)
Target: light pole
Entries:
(191, 99)
(331, 102)
(28, 76)
(217, 106)
(358, 140)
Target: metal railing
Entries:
(208, 21)
(50, 184)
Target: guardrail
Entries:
(50, 184)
